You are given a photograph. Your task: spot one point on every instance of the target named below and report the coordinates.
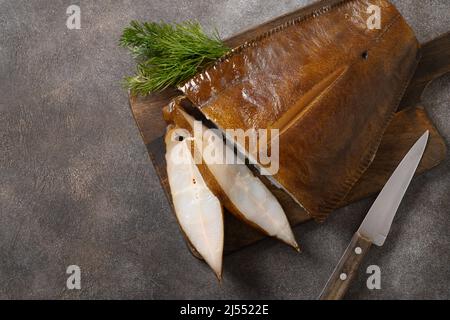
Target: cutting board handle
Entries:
(434, 63)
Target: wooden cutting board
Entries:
(408, 125)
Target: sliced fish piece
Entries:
(198, 210)
(239, 190)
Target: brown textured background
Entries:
(77, 187)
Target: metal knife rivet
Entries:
(343, 276)
(358, 250)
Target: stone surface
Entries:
(77, 187)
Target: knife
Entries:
(375, 226)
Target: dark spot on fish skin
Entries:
(365, 55)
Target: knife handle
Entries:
(347, 269)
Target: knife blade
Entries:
(377, 223)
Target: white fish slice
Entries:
(243, 193)
(198, 210)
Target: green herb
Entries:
(168, 54)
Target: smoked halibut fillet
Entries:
(327, 82)
(198, 210)
(243, 194)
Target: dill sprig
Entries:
(168, 54)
